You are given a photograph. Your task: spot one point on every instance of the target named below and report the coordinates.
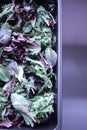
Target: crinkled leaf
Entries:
(46, 16)
(42, 106)
(39, 69)
(28, 84)
(41, 32)
(47, 84)
(51, 56)
(4, 74)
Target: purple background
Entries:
(74, 64)
(74, 21)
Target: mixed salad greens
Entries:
(27, 61)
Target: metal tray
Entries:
(55, 122)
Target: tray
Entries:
(55, 121)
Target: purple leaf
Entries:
(7, 124)
(5, 36)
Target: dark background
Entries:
(74, 64)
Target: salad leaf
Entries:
(16, 70)
(27, 62)
(7, 10)
(39, 69)
(4, 74)
(29, 85)
(5, 36)
(42, 106)
(51, 56)
(7, 124)
(27, 27)
(21, 104)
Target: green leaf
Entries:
(21, 104)
(28, 84)
(39, 69)
(34, 61)
(51, 56)
(7, 10)
(3, 113)
(28, 120)
(42, 106)
(1, 50)
(4, 74)
(27, 27)
(5, 86)
(47, 84)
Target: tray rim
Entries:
(59, 67)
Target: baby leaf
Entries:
(21, 104)
(16, 70)
(27, 27)
(4, 74)
(5, 35)
(51, 56)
